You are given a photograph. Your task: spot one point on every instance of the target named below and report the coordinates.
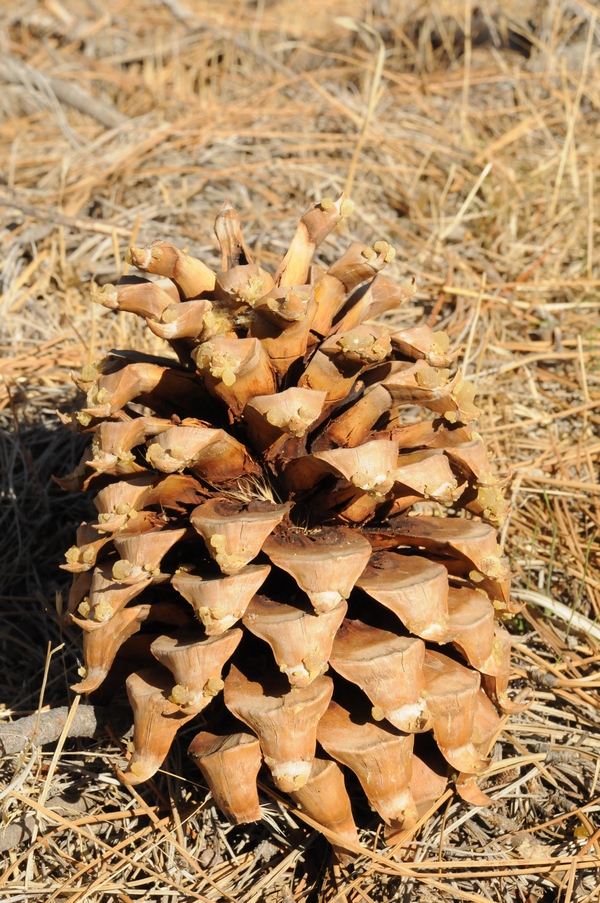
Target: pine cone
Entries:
(280, 485)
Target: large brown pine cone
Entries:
(303, 479)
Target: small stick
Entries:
(570, 412)
(579, 622)
(79, 223)
(47, 727)
(14, 71)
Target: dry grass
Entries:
(471, 142)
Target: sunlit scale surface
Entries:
(297, 519)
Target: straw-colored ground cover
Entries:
(468, 139)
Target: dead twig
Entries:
(37, 730)
(78, 223)
(16, 72)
